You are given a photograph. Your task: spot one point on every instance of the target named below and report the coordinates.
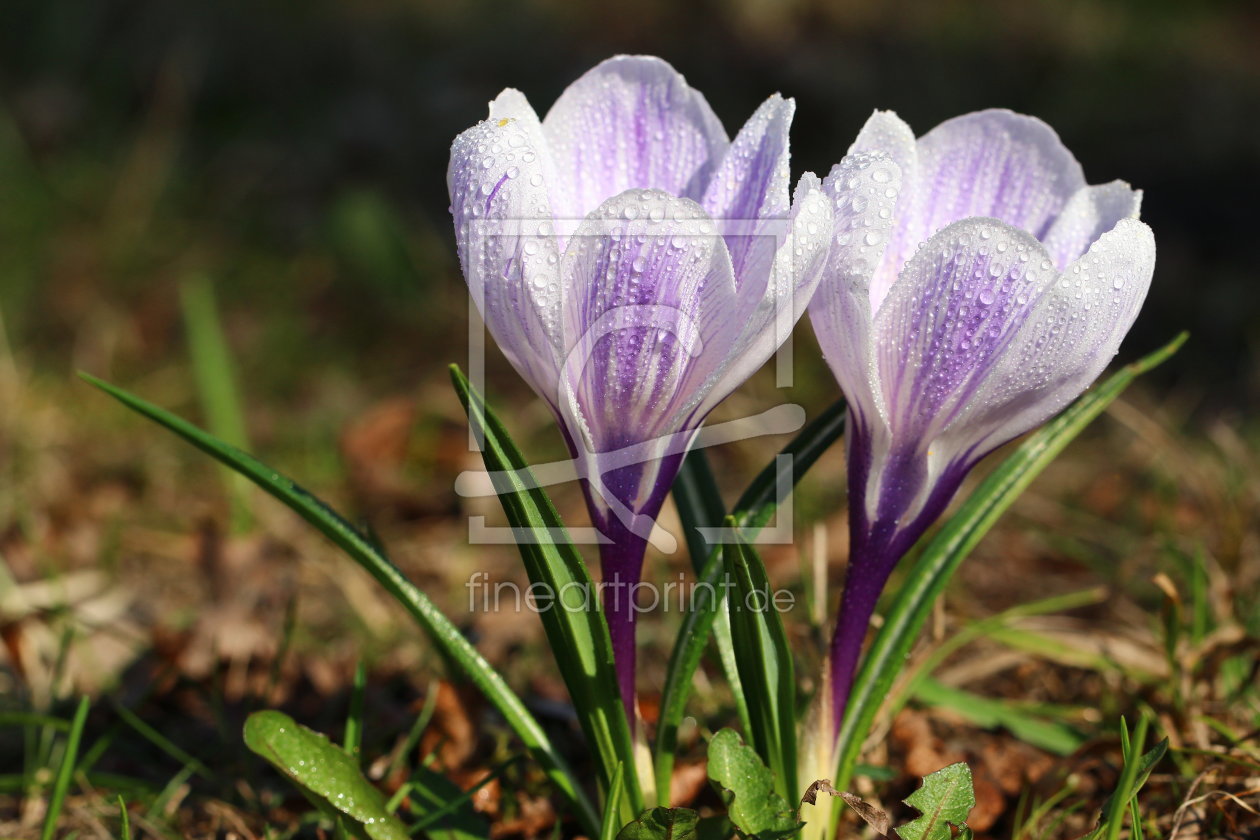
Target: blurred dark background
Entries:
(295, 152)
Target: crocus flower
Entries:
(635, 266)
(994, 292)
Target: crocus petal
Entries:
(994, 163)
(1090, 213)
(1066, 341)
(511, 104)
(632, 121)
(751, 185)
(503, 230)
(649, 294)
(949, 316)
(765, 321)
(887, 134)
(863, 189)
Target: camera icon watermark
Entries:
(538, 265)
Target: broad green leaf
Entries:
(662, 824)
(748, 788)
(715, 827)
(367, 554)
(885, 659)
(324, 770)
(755, 508)
(945, 798)
(576, 631)
(764, 658)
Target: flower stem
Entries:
(863, 584)
(622, 562)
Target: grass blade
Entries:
(940, 558)
(699, 504)
(754, 510)
(765, 664)
(364, 552)
(163, 743)
(64, 773)
(611, 825)
(1050, 735)
(354, 717)
(576, 630)
(124, 819)
(1137, 769)
(216, 383)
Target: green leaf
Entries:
(576, 631)
(748, 788)
(124, 819)
(61, 785)
(754, 510)
(1050, 735)
(1137, 769)
(354, 717)
(946, 798)
(941, 556)
(367, 554)
(323, 770)
(715, 827)
(699, 504)
(612, 806)
(662, 824)
(214, 373)
(765, 663)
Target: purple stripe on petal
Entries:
(948, 317)
(648, 320)
(994, 163)
(1064, 343)
(632, 122)
(768, 311)
(750, 185)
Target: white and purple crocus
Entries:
(992, 289)
(631, 261)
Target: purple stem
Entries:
(876, 547)
(622, 563)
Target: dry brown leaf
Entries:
(876, 818)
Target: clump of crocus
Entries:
(632, 262)
(994, 289)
